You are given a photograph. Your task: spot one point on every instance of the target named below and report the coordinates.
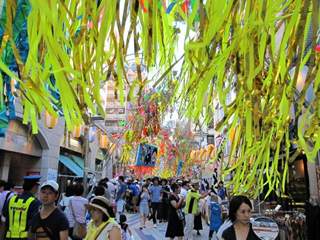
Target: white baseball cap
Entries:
(52, 184)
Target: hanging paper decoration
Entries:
(142, 4)
(50, 121)
(232, 134)
(76, 133)
(210, 148)
(104, 141)
(232, 44)
(3, 121)
(185, 6)
(170, 7)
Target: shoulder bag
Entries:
(79, 229)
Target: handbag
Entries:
(79, 229)
(180, 214)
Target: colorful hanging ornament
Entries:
(104, 141)
(76, 132)
(50, 121)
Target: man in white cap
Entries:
(50, 222)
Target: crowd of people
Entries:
(184, 204)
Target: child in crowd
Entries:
(126, 233)
(215, 215)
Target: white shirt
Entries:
(227, 223)
(3, 196)
(65, 203)
(183, 193)
(111, 189)
(79, 209)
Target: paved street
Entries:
(152, 233)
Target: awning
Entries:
(78, 160)
(72, 165)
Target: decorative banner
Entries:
(146, 155)
(3, 121)
(179, 167)
(142, 171)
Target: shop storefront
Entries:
(20, 153)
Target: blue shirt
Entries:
(222, 193)
(155, 192)
(215, 216)
(134, 188)
(121, 192)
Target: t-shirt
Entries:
(215, 216)
(121, 191)
(50, 227)
(111, 189)
(183, 193)
(134, 188)
(4, 197)
(222, 193)
(77, 205)
(165, 191)
(230, 234)
(155, 192)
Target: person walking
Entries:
(76, 211)
(50, 222)
(155, 191)
(20, 209)
(192, 208)
(215, 215)
(221, 191)
(197, 222)
(133, 186)
(102, 225)
(64, 202)
(175, 214)
(164, 205)
(120, 196)
(143, 201)
(126, 233)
